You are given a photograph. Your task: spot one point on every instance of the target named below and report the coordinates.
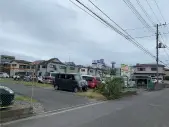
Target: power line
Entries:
(149, 36)
(152, 10)
(144, 36)
(88, 13)
(161, 16)
(118, 31)
(159, 10)
(113, 22)
(138, 15)
(137, 28)
(145, 12)
(166, 53)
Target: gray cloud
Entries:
(43, 29)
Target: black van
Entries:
(70, 82)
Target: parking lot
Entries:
(50, 98)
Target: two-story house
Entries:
(71, 67)
(20, 66)
(5, 63)
(143, 71)
(51, 65)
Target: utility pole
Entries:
(157, 47)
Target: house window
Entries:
(91, 71)
(54, 67)
(72, 68)
(82, 70)
(43, 66)
(153, 69)
(27, 67)
(62, 67)
(141, 69)
(22, 66)
(13, 65)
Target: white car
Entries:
(16, 77)
(4, 75)
(40, 79)
(154, 80)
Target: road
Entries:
(51, 99)
(149, 109)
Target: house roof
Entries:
(37, 62)
(147, 65)
(166, 69)
(70, 63)
(52, 60)
(21, 61)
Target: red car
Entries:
(92, 81)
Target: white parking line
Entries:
(66, 108)
(55, 112)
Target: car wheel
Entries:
(56, 87)
(85, 89)
(0, 102)
(75, 90)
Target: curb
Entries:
(10, 114)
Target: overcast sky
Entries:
(43, 29)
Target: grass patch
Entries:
(92, 95)
(129, 92)
(24, 98)
(98, 96)
(36, 84)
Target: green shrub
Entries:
(111, 89)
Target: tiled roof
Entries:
(53, 60)
(70, 63)
(37, 61)
(21, 61)
(146, 65)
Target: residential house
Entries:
(90, 71)
(20, 66)
(166, 71)
(71, 67)
(5, 63)
(143, 71)
(36, 65)
(51, 65)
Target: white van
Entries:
(4, 75)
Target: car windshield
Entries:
(87, 78)
(53, 74)
(98, 79)
(78, 77)
(47, 74)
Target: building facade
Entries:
(143, 71)
(149, 70)
(51, 65)
(20, 66)
(5, 63)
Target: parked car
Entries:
(49, 77)
(4, 75)
(40, 79)
(92, 81)
(16, 77)
(71, 82)
(6, 96)
(154, 80)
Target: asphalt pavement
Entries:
(149, 109)
(50, 98)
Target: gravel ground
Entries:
(37, 107)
